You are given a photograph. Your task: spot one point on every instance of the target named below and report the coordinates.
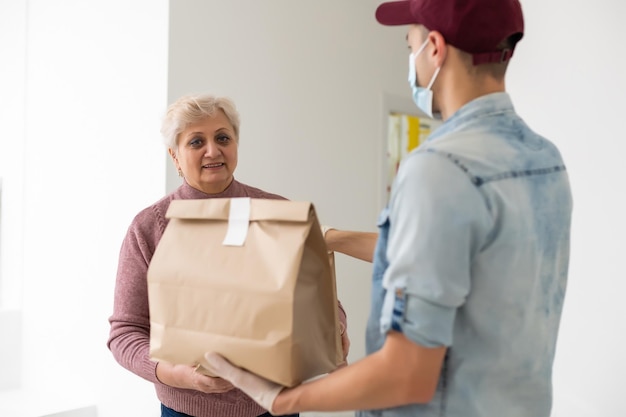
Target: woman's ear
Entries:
(174, 158)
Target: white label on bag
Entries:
(238, 221)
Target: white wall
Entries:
(87, 92)
(12, 93)
(309, 80)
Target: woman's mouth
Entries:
(211, 166)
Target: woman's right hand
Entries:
(187, 377)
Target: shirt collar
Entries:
(478, 108)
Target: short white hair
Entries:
(192, 108)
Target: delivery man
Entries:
(471, 261)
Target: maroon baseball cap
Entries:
(473, 26)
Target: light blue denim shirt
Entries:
(473, 254)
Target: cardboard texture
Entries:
(250, 279)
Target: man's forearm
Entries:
(401, 373)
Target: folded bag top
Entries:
(260, 209)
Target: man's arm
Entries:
(359, 245)
(402, 372)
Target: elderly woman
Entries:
(202, 136)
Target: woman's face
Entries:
(207, 153)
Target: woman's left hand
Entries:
(345, 344)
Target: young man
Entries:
(470, 266)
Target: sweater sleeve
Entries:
(129, 337)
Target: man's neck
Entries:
(464, 89)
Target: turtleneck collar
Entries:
(234, 189)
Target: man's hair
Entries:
(495, 69)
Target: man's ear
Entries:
(440, 49)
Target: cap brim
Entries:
(395, 13)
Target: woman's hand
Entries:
(345, 344)
(187, 377)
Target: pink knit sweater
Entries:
(129, 338)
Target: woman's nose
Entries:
(212, 150)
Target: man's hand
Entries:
(261, 390)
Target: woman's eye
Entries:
(222, 139)
(195, 142)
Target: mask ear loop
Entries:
(419, 51)
(421, 48)
(432, 80)
(412, 58)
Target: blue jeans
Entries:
(168, 412)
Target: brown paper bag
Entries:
(250, 279)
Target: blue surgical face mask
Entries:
(422, 96)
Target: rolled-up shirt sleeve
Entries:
(438, 219)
